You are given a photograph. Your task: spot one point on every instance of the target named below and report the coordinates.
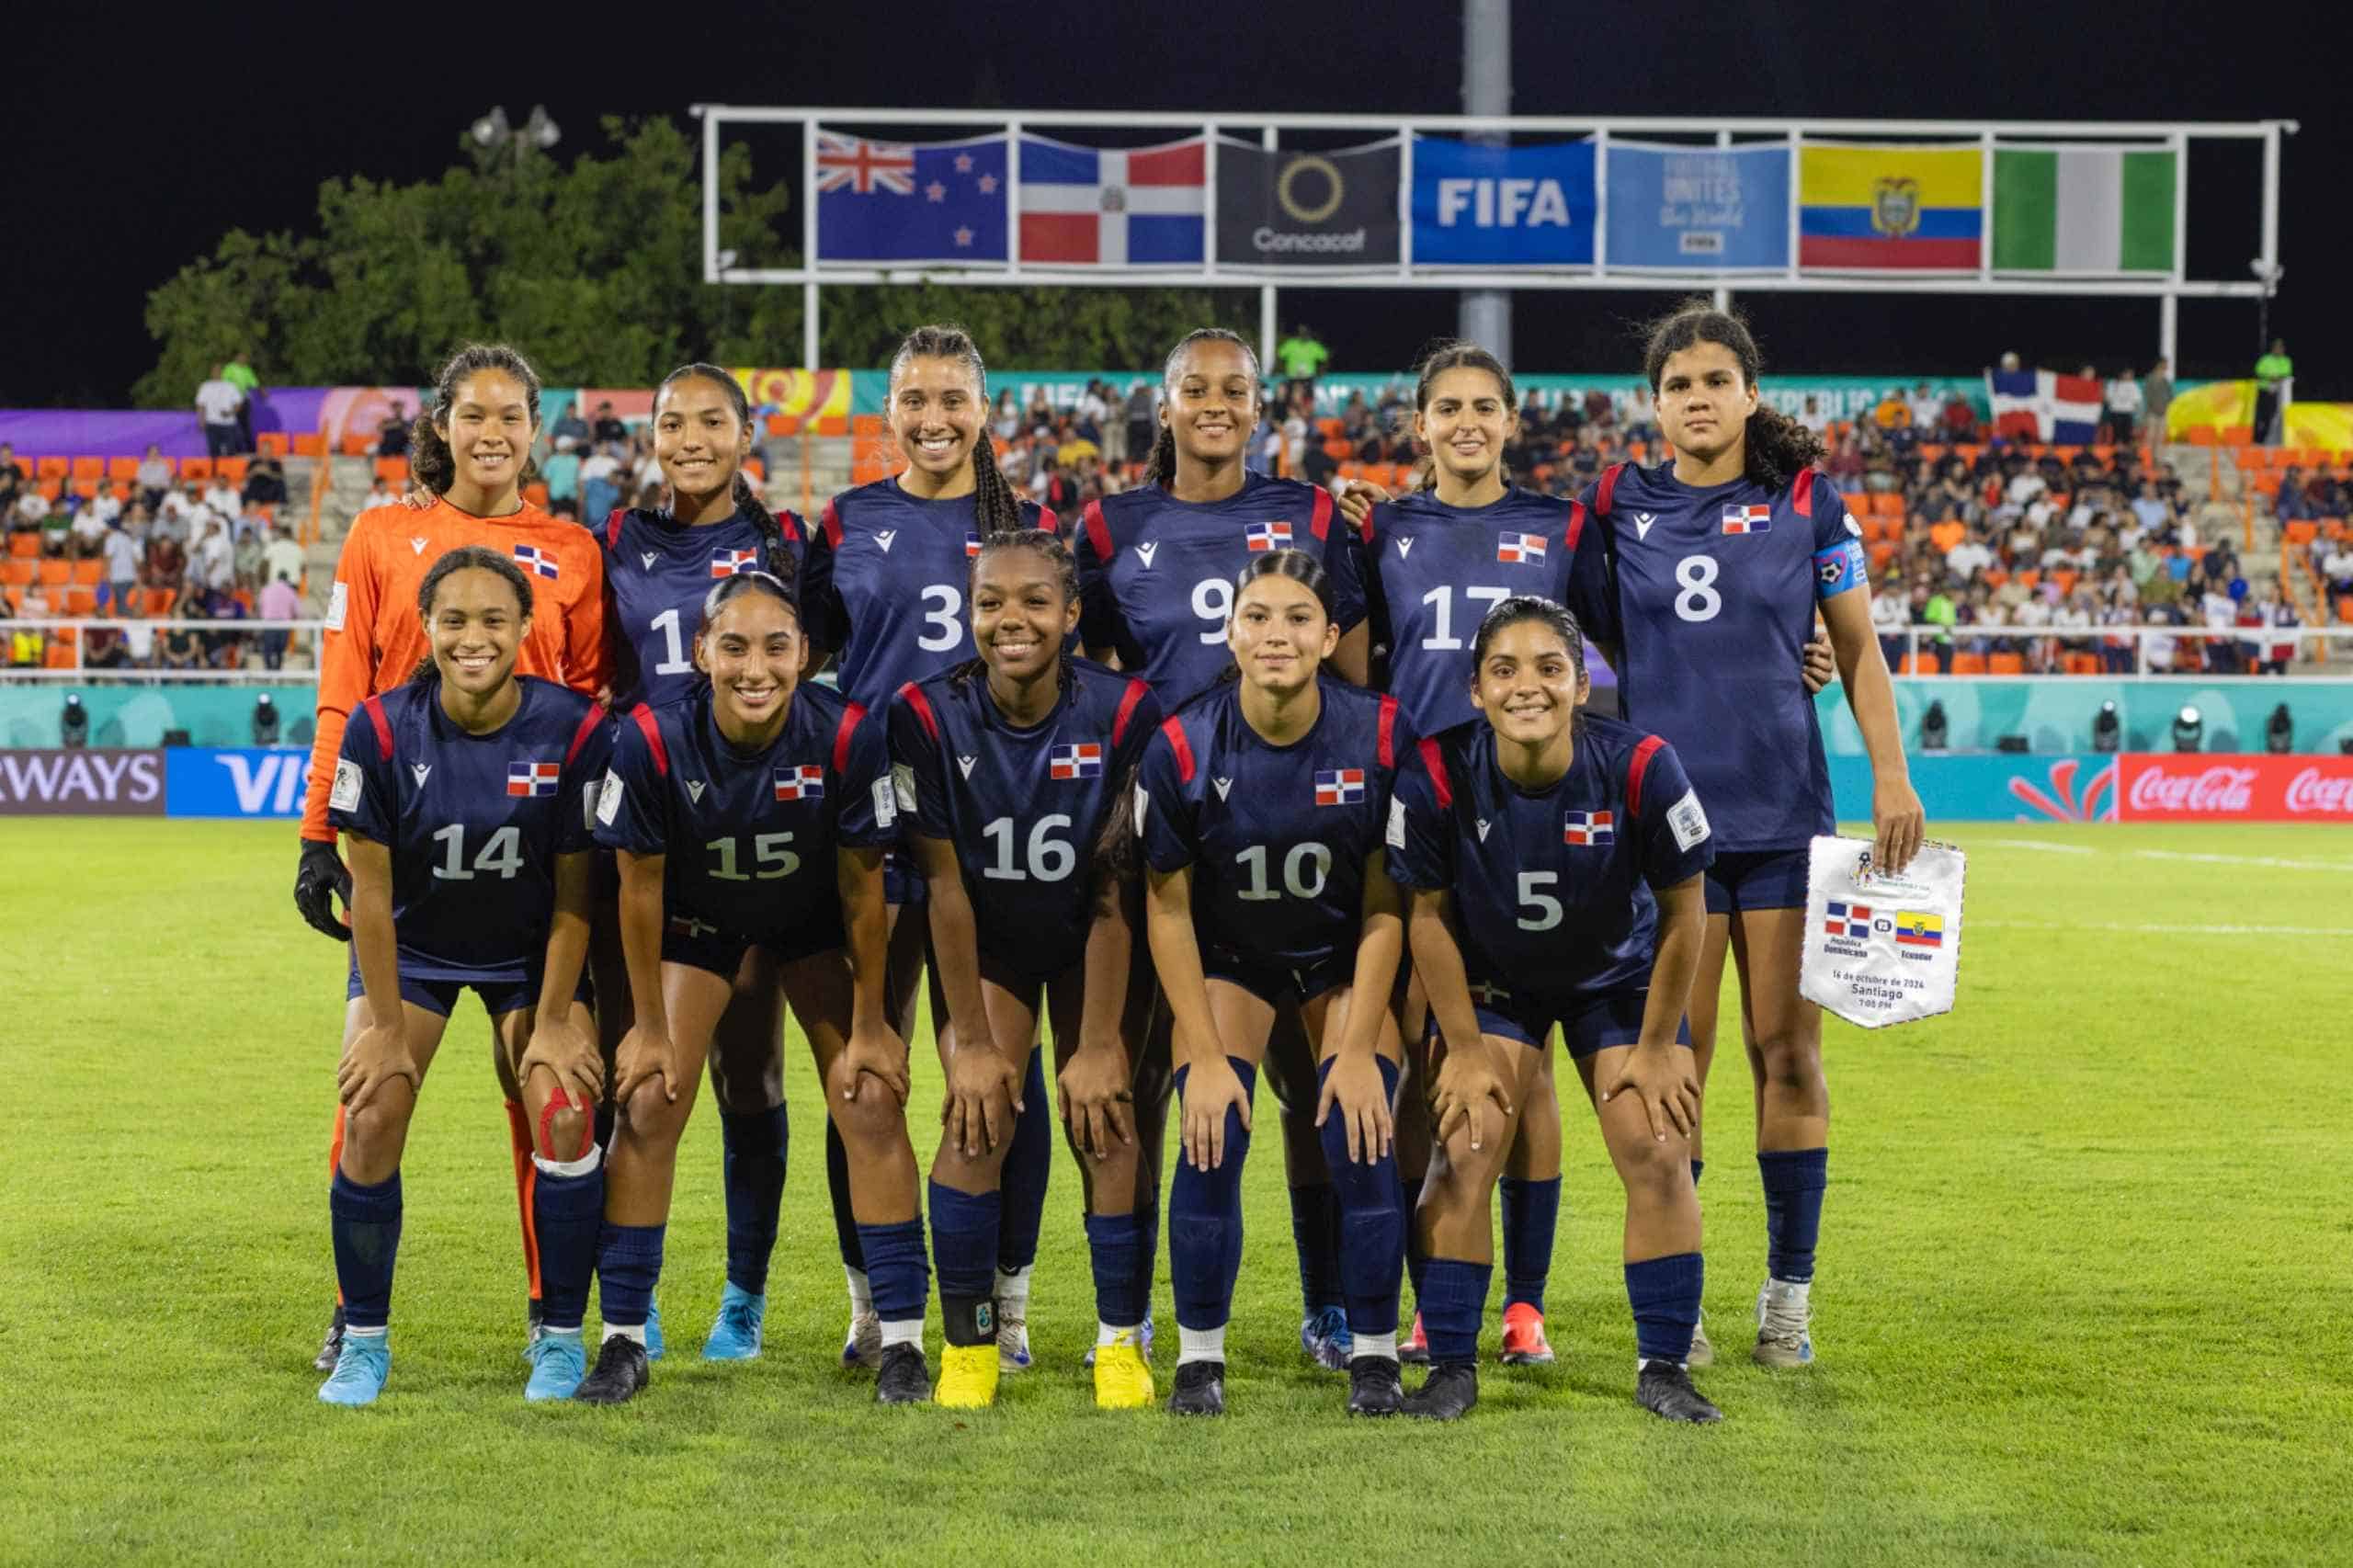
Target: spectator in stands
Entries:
(240, 375)
(392, 432)
(2161, 651)
(1935, 607)
(30, 511)
(121, 548)
(1809, 414)
(1302, 357)
(12, 475)
(571, 428)
(103, 649)
(378, 495)
(608, 429)
(265, 483)
(1969, 557)
(249, 557)
(1142, 420)
(561, 472)
(2336, 567)
(1891, 613)
(2125, 401)
(1846, 461)
(1641, 414)
(2281, 650)
(568, 510)
(2292, 502)
(181, 647)
(2270, 372)
(220, 499)
(1005, 423)
(88, 534)
(27, 643)
(2156, 396)
(2219, 612)
(220, 407)
(7, 605)
(1960, 419)
(2033, 615)
(155, 477)
(57, 529)
(282, 557)
(167, 566)
(599, 480)
(1928, 411)
(278, 602)
(212, 563)
(2073, 621)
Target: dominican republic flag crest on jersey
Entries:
(1852, 921)
(727, 562)
(1753, 519)
(806, 782)
(971, 546)
(1518, 549)
(528, 778)
(1269, 536)
(531, 558)
(1083, 760)
(1339, 786)
(1589, 827)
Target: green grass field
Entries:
(2084, 1270)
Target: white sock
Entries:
(902, 1331)
(579, 1167)
(862, 1294)
(1013, 1292)
(1641, 1362)
(1200, 1344)
(1381, 1345)
(635, 1331)
(353, 1331)
(1106, 1333)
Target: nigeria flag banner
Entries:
(2084, 210)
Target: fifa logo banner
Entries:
(1283, 209)
(1698, 208)
(1516, 207)
(1893, 209)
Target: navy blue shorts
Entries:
(502, 991)
(902, 883)
(1757, 878)
(699, 946)
(1275, 982)
(1587, 1023)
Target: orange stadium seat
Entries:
(2302, 531)
(85, 488)
(2238, 436)
(835, 425)
(89, 467)
(196, 467)
(2030, 580)
(121, 468)
(1887, 504)
(2345, 608)
(1931, 452)
(52, 468)
(59, 654)
(2066, 580)
(871, 425)
(2083, 663)
(783, 424)
(89, 573)
(15, 572)
(1882, 553)
(358, 445)
(1918, 664)
(56, 573)
(231, 469)
(310, 444)
(23, 546)
(78, 601)
(271, 443)
(2006, 664)
(2106, 454)
(756, 469)
(1969, 664)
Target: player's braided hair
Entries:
(1057, 554)
(998, 508)
(1162, 470)
(734, 587)
(1777, 447)
(430, 462)
(775, 554)
(466, 558)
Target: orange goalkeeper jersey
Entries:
(374, 638)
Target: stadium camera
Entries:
(2188, 729)
(2108, 730)
(264, 720)
(2280, 734)
(74, 724)
(1935, 729)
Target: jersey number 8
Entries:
(1695, 576)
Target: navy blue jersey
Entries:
(883, 584)
(474, 822)
(658, 571)
(1710, 593)
(1551, 889)
(749, 837)
(1277, 836)
(1023, 807)
(1432, 572)
(1155, 574)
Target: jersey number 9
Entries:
(1213, 602)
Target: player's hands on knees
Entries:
(1356, 499)
(319, 878)
(1817, 663)
(1097, 1100)
(643, 1057)
(984, 1095)
(1665, 1076)
(1472, 1096)
(1899, 823)
(874, 1053)
(563, 1048)
(1210, 1091)
(377, 1054)
(1354, 1088)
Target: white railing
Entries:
(301, 655)
(2322, 652)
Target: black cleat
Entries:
(1448, 1394)
(1665, 1389)
(332, 1347)
(1375, 1386)
(621, 1374)
(900, 1378)
(1200, 1391)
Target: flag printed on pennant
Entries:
(1083, 760)
(1520, 549)
(531, 778)
(971, 545)
(1753, 519)
(1852, 921)
(1339, 786)
(1917, 928)
(727, 562)
(1584, 828)
(531, 558)
(806, 782)
(1113, 207)
(1269, 536)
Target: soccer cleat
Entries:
(1324, 1334)
(1451, 1389)
(652, 1331)
(558, 1360)
(741, 1327)
(863, 1346)
(900, 1376)
(1200, 1391)
(621, 1373)
(1122, 1375)
(361, 1368)
(1375, 1387)
(968, 1377)
(1012, 1342)
(1524, 1344)
(331, 1348)
(1144, 1343)
(1665, 1389)
(1703, 1354)
(1784, 1326)
(1417, 1347)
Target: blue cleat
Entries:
(361, 1368)
(558, 1363)
(742, 1325)
(1324, 1334)
(653, 1331)
(1144, 1343)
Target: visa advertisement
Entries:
(247, 782)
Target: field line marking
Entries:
(2038, 844)
(2161, 929)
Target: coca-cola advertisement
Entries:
(2190, 787)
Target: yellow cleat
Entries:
(1122, 1377)
(968, 1375)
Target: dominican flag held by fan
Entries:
(2045, 406)
(1113, 207)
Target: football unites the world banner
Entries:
(1432, 203)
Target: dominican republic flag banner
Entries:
(1113, 207)
(939, 201)
(2045, 406)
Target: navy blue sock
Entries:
(568, 1212)
(1697, 1167)
(1112, 1243)
(1418, 1258)
(1453, 1300)
(964, 1245)
(1664, 1294)
(628, 1261)
(1315, 1232)
(1531, 1214)
(1794, 1182)
(1372, 1219)
(845, 1229)
(1147, 1245)
(754, 1143)
(366, 1224)
(1205, 1220)
(1026, 1165)
(895, 1268)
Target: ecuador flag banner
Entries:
(1893, 208)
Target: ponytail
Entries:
(775, 556)
(1777, 447)
(1162, 470)
(994, 505)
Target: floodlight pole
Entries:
(1485, 313)
(1269, 327)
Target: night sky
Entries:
(131, 148)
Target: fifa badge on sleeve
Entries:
(1882, 948)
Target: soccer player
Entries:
(1156, 569)
(1708, 571)
(470, 450)
(1555, 863)
(1259, 811)
(465, 795)
(883, 585)
(658, 568)
(755, 810)
(1014, 762)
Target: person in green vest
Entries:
(1303, 358)
(240, 375)
(1940, 612)
(2269, 372)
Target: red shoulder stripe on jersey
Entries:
(1388, 732)
(613, 527)
(642, 717)
(850, 716)
(1098, 533)
(1608, 487)
(1048, 521)
(922, 705)
(832, 525)
(588, 722)
(374, 708)
(1136, 688)
(1175, 731)
(1802, 493)
(1364, 529)
(1321, 520)
(789, 524)
(1434, 760)
(1636, 765)
(1576, 527)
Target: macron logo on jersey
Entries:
(1269, 535)
(727, 562)
(1484, 826)
(806, 782)
(886, 538)
(965, 763)
(1083, 760)
(1753, 519)
(647, 557)
(420, 769)
(531, 558)
(1148, 551)
(1404, 547)
(694, 791)
(1589, 828)
(530, 779)
(418, 545)
(1223, 786)
(1643, 521)
(1520, 549)
(1339, 786)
